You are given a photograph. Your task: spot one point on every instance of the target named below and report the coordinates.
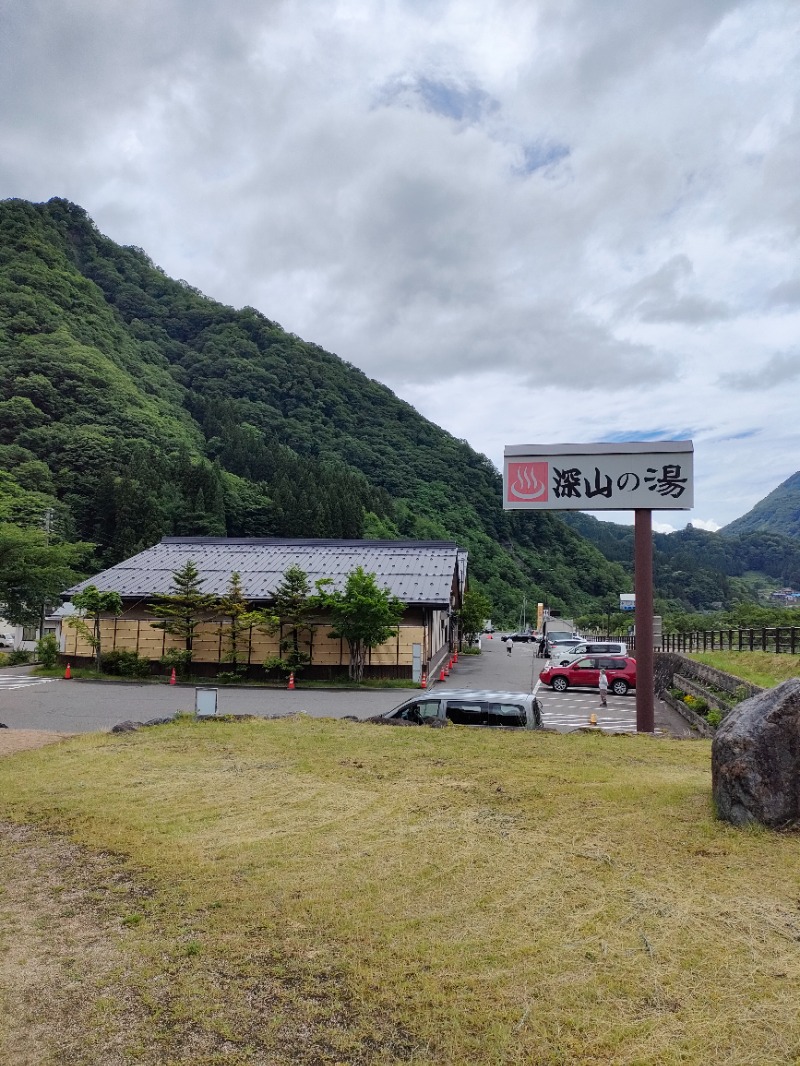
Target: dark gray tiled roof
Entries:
(419, 572)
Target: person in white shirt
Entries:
(509, 644)
(602, 684)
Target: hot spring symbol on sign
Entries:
(527, 481)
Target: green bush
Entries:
(47, 650)
(18, 657)
(714, 717)
(124, 664)
(698, 705)
(229, 677)
(179, 659)
(3, 659)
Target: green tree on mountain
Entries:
(35, 572)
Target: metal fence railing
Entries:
(777, 639)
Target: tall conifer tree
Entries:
(183, 609)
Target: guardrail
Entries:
(777, 639)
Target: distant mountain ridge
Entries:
(694, 569)
(779, 512)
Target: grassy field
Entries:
(759, 667)
(313, 891)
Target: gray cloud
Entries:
(785, 294)
(780, 369)
(656, 298)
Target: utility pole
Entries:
(48, 516)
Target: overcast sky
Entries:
(535, 220)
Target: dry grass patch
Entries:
(319, 891)
(14, 740)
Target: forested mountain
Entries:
(133, 406)
(777, 513)
(694, 569)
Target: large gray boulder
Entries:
(755, 759)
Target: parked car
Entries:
(526, 638)
(6, 639)
(555, 646)
(477, 707)
(585, 673)
(594, 647)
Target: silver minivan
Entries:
(566, 656)
(464, 706)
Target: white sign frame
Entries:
(635, 475)
(205, 702)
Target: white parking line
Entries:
(569, 710)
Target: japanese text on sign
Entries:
(626, 478)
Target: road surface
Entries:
(29, 702)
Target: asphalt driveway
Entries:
(28, 702)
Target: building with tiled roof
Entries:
(428, 576)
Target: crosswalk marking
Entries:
(571, 710)
(9, 681)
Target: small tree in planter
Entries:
(182, 610)
(92, 603)
(293, 608)
(363, 614)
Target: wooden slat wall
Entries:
(129, 634)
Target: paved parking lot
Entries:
(564, 711)
(27, 702)
(86, 706)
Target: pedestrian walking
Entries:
(602, 684)
(509, 644)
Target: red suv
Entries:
(585, 673)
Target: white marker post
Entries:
(640, 476)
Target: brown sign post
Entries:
(641, 476)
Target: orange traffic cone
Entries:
(291, 679)
(67, 673)
(173, 677)
(592, 719)
(441, 674)
(455, 656)
(424, 682)
(489, 635)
